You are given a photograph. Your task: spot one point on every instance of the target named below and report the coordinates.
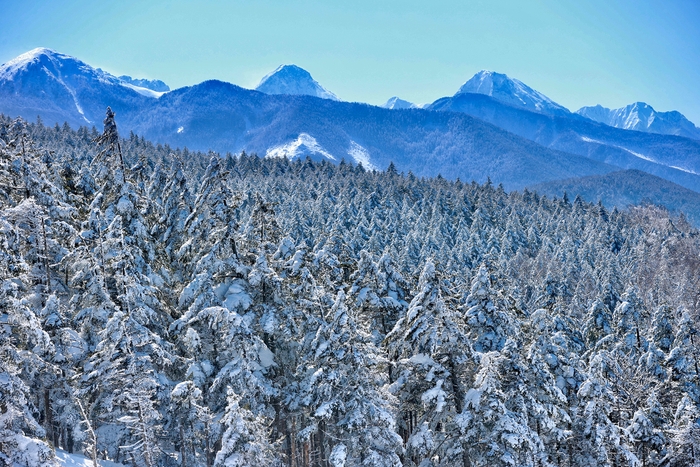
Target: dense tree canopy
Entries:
(160, 307)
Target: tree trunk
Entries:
(46, 257)
(121, 159)
(207, 446)
(48, 416)
(458, 397)
(147, 452)
(183, 459)
(292, 442)
(69, 440)
(91, 432)
(321, 443)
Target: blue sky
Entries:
(576, 52)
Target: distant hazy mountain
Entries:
(512, 92)
(396, 103)
(294, 81)
(628, 187)
(642, 117)
(152, 84)
(671, 157)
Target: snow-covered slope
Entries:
(640, 116)
(512, 92)
(293, 80)
(361, 156)
(396, 103)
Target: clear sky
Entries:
(577, 52)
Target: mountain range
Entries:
(494, 126)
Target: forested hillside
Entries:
(161, 307)
(629, 187)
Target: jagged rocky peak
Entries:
(293, 80)
(152, 84)
(640, 116)
(511, 91)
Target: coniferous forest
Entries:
(161, 307)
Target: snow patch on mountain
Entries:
(293, 80)
(9, 69)
(304, 145)
(636, 154)
(78, 107)
(511, 91)
(361, 156)
(684, 170)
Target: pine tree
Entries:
(343, 390)
(23, 343)
(245, 441)
(432, 355)
(486, 314)
(685, 441)
(493, 428)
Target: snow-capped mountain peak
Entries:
(9, 69)
(293, 80)
(640, 116)
(54, 64)
(396, 103)
(511, 91)
(65, 87)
